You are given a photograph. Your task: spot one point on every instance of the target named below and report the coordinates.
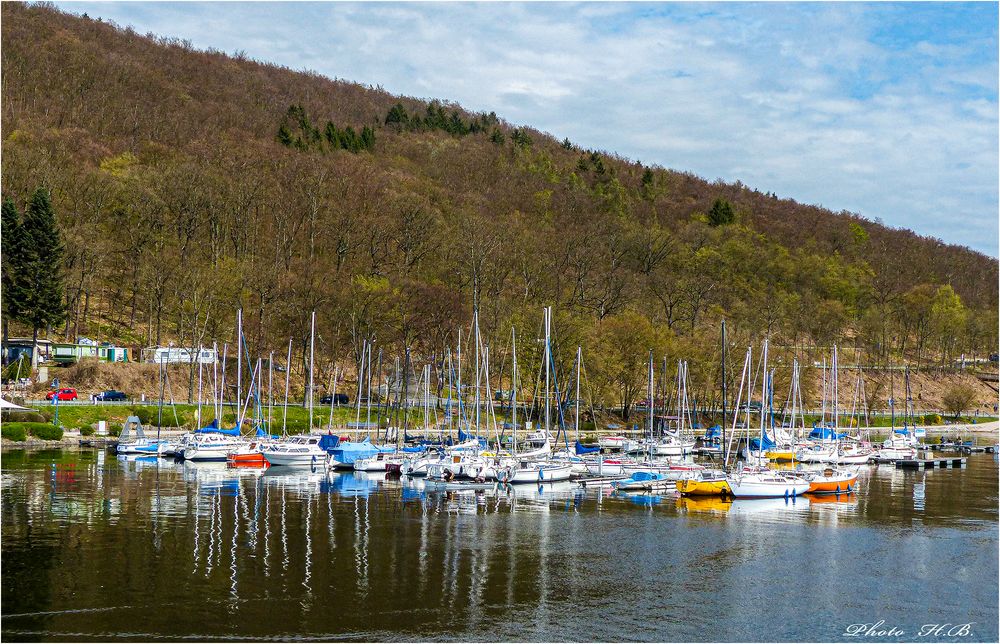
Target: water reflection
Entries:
(404, 558)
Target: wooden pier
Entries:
(925, 463)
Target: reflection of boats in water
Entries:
(843, 499)
(640, 498)
(728, 505)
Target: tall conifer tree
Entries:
(44, 304)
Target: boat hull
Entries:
(835, 485)
(757, 489)
(694, 487)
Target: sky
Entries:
(888, 110)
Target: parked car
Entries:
(341, 399)
(64, 394)
(110, 394)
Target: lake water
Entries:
(95, 547)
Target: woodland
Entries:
(189, 184)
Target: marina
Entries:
(200, 550)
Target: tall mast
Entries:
(725, 446)
(579, 356)
(513, 388)
(288, 373)
(270, 389)
(199, 386)
(239, 367)
(763, 393)
(548, 313)
(368, 391)
(649, 405)
(312, 357)
(835, 392)
(475, 321)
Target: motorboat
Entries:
(302, 449)
(535, 472)
(210, 447)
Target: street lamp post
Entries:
(55, 400)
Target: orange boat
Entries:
(248, 456)
(833, 481)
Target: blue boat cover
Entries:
(213, 428)
(583, 449)
(713, 431)
(826, 433)
(413, 450)
(329, 442)
(647, 476)
(348, 452)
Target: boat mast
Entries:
(835, 393)
(513, 389)
(199, 423)
(649, 405)
(368, 389)
(763, 394)
(288, 374)
(312, 357)
(270, 389)
(579, 357)
(361, 375)
(475, 322)
(239, 367)
(725, 448)
(547, 313)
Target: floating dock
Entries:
(591, 481)
(925, 463)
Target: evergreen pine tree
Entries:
(332, 136)
(12, 258)
(44, 304)
(721, 213)
(285, 135)
(497, 137)
(368, 138)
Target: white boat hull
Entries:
(766, 487)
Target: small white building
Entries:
(182, 355)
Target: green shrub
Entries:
(229, 417)
(143, 414)
(24, 417)
(932, 419)
(45, 431)
(114, 429)
(87, 431)
(13, 432)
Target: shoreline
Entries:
(72, 439)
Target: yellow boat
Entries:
(708, 484)
(780, 455)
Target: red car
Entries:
(64, 394)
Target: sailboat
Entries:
(713, 482)
(536, 466)
(759, 483)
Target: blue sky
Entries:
(885, 109)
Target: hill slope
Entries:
(190, 183)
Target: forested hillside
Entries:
(188, 184)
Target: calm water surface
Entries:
(98, 547)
